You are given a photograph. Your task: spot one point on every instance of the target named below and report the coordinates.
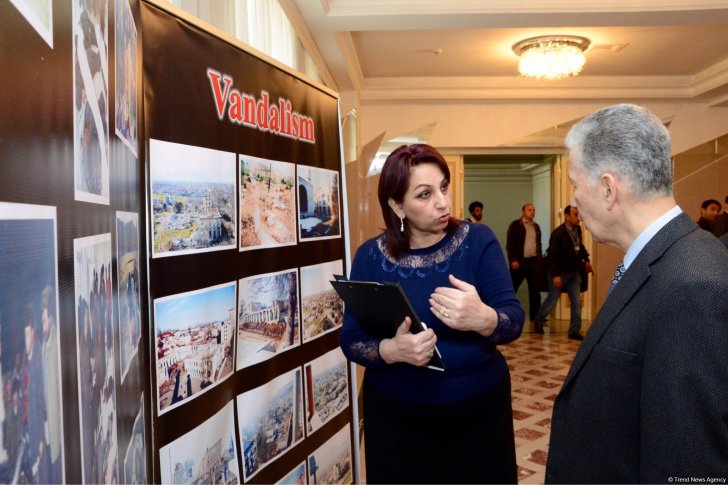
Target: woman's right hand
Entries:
(415, 349)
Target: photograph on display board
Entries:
(297, 476)
(207, 454)
(127, 277)
(31, 408)
(95, 347)
(135, 461)
(193, 199)
(194, 339)
(321, 308)
(39, 14)
(327, 388)
(318, 203)
(125, 74)
(267, 203)
(268, 321)
(91, 100)
(331, 462)
(270, 418)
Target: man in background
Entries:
(645, 400)
(721, 223)
(709, 212)
(476, 212)
(568, 264)
(525, 260)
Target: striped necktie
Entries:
(618, 273)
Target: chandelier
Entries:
(551, 56)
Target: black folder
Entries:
(380, 309)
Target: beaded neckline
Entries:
(433, 255)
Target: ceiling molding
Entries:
(677, 49)
(347, 8)
(711, 78)
(409, 92)
(351, 60)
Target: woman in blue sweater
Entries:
(423, 425)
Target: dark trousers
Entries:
(532, 272)
(468, 441)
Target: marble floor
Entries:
(538, 364)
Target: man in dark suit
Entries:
(646, 398)
(568, 265)
(523, 245)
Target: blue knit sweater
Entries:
(472, 363)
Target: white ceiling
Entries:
(385, 49)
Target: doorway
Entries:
(504, 183)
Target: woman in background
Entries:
(423, 425)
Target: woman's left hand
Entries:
(461, 308)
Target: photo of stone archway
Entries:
(319, 211)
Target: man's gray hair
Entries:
(628, 140)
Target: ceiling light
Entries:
(551, 56)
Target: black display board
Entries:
(53, 55)
(210, 105)
(96, 97)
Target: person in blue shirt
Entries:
(423, 425)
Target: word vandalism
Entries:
(244, 109)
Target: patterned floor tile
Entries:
(538, 364)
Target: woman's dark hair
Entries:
(393, 183)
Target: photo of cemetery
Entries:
(331, 463)
(207, 454)
(193, 199)
(194, 343)
(322, 311)
(327, 388)
(318, 203)
(267, 203)
(268, 321)
(271, 421)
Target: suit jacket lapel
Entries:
(636, 276)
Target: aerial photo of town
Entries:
(297, 476)
(331, 463)
(193, 199)
(321, 308)
(194, 342)
(267, 203)
(271, 421)
(207, 454)
(327, 388)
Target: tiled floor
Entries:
(538, 365)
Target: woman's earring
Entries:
(401, 226)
